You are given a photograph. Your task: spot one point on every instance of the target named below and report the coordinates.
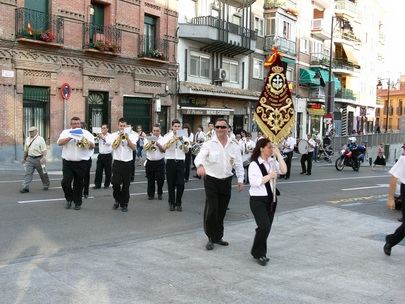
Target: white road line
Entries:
(331, 179)
(369, 187)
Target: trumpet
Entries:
(171, 142)
(183, 144)
(150, 146)
(83, 143)
(120, 138)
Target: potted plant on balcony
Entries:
(47, 36)
(156, 54)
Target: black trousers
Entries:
(263, 213)
(175, 180)
(308, 159)
(121, 179)
(86, 181)
(155, 172)
(187, 163)
(288, 163)
(104, 162)
(218, 195)
(133, 166)
(399, 233)
(73, 171)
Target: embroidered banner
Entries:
(274, 111)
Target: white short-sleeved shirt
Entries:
(398, 170)
(219, 161)
(174, 152)
(71, 152)
(257, 188)
(123, 152)
(104, 147)
(155, 155)
(37, 146)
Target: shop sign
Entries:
(204, 112)
(193, 101)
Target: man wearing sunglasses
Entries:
(215, 161)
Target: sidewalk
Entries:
(317, 255)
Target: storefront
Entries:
(316, 111)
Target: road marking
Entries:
(369, 187)
(46, 200)
(332, 179)
(356, 199)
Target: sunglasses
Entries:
(221, 127)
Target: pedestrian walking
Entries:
(104, 159)
(398, 173)
(288, 151)
(267, 162)
(217, 157)
(76, 144)
(34, 159)
(155, 163)
(123, 143)
(307, 158)
(176, 146)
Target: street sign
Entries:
(327, 118)
(65, 91)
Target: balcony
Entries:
(38, 27)
(320, 29)
(220, 36)
(319, 59)
(345, 94)
(106, 39)
(153, 51)
(284, 45)
(346, 9)
(345, 67)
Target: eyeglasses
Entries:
(221, 127)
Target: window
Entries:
(36, 109)
(149, 32)
(259, 25)
(236, 19)
(304, 46)
(199, 66)
(271, 26)
(257, 69)
(286, 30)
(232, 70)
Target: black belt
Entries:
(222, 179)
(34, 156)
(176, 160)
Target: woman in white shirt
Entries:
(266, 163)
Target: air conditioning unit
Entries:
(219, 75)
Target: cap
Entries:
(32, 129)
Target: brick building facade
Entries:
(117, 56)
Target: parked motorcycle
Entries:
(351, 158)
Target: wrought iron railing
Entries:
(224, 25)
(153, 48)
(345, 94)
(35, 25)
(319, 59)
(102, 38)
(283, 44)
(344, 65)
(346, 5)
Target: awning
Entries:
(351, 53)
(290, 62)
(308, 77)
(325, 77)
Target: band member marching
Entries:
(175, 147)
(155, 163)
(123, 144)
(76, 144)
(104, 159)
(199, 139)
(211, 131)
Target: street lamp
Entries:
(330, 96)
(380, 86)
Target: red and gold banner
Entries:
(274, 112)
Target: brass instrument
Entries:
(83, 143)
(209, 134)
(183, 144)
(196, 148)
(120, 138)
(150, 146)
(171, 142)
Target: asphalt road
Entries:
(36, 224)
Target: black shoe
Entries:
(96, 187)
(222, 242)
(24, 190)
(308, 173)
(77, 207)
(209, 246)
(106, 187)
(150, 198)
(116, 205)
(400, 220)
(124, 209)
(85, 195)
(267, 259)
(179, 208)
(262, 261)
(286, 178)
(387, 247)
(45, 188)
(68, 204)
(171, 208)
(302, 172)
(159, 197)
(186, 180)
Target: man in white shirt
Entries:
(288, 150)
(398, 173)
(34, 158)
(76, 144)
(215, 162)
(123, 143)
(199, 138)
(155, 163)
(308, 157)
(104, 159)
(175, 149)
